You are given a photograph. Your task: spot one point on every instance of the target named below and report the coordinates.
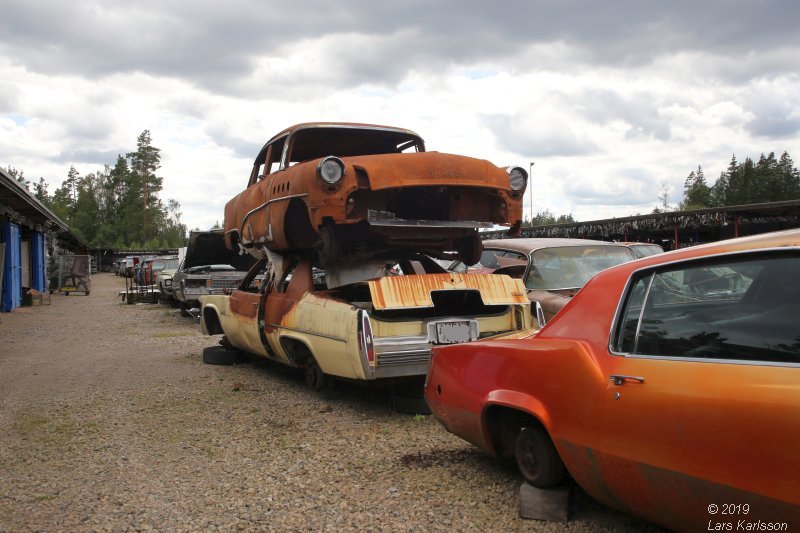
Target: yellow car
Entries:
(378, 322)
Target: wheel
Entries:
(537, 458)
(315, 378)
(184, 309)
(219, 355)
(328, 247)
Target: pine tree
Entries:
(696, 192)
(144, 162)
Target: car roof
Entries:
(347, 125)
(777, 239)
(530, 244)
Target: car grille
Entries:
(224, 283)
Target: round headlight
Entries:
(330, 170)
(517, 178)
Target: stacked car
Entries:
(345, 219)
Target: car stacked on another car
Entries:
(357, 191)
(668, 387)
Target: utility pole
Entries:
(530, 187)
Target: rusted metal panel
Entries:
(406, 292)
(292, 208)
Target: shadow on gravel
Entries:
(362, 398)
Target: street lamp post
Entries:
(530, 186)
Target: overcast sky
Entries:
(609, 99)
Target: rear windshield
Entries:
(570, 267)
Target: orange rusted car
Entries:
(357, 191)
(669, 387)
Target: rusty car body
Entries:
(380, 328)
(667, 386)
(208, 268)
(359, 191)
(553, 269)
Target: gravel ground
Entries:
(109, 421)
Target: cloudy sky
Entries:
(609, 99)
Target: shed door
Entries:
(12, 282)
(25, 263)
(37, 262)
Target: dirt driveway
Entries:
(110, 421)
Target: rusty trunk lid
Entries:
(408, 292)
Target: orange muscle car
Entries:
(359, 191)
(668, 387)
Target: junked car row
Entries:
(661, 384)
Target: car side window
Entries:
(739, 308)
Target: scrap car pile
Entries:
(346, 221)
(665, 385)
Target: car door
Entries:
(246, 310)
(701, 413)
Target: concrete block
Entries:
(544, 504)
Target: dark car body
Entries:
(553, 269)
(208, 268)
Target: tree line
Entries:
(768, 180)
(117, 207)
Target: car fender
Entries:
(206, 305)
(518, 401)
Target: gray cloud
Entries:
(214, 44)
(630, 187)
(639, 111)
(537, 139)
(86, 157)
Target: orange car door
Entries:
(701, 414)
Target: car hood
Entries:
(428, 169)
(208, 248)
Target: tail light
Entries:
(366, 342)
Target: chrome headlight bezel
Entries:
(330, 170)
(517, 178)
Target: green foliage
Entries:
(119, 206)
(19, 176)
(768, 180)
(696, 192)
(546, 218)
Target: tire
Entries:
(315, 378)
(328, 249)
(184, 310)
(219, 355)
(537, 458)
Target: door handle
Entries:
(619, 379)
